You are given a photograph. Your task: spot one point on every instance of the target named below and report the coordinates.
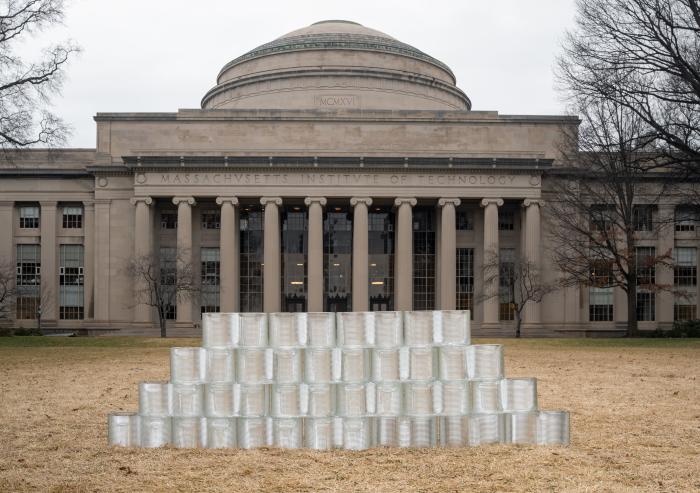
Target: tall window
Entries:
(686, 217)
(381, 259)
(168, 279)
(251, 258)
(506, 220)
(685, 281)
(70, 279)
(423, 259)
(602, 217)
(646, 278)
(168, 220)
(211, 219)
(465, 279)
(506, 284)
(28, 281)
(210, 278)
(337, 260)
(465, 220)
(642, 217)
(29, 217)
(294, 238)
(72, 217)
(600, 293)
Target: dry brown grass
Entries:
(635, 427)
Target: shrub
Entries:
(28, 332)
(680, 329)
(5, 332)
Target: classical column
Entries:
(272, 275)
(49, 272)
(664, 271)
(89, 260)
(7, 224)
(314, 259)
(403, 254)
(448, 253)
(360, 253)
(184, 251)
(490, 259)
(143, 251)
(229, 246)
(102, 256)
(531, 250)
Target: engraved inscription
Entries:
(336, 100)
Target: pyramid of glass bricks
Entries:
(350, 380)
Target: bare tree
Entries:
(7, 289)
(643, 56)
(26, 87)
(519, 282)
(160, 285)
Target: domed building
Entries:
(334, 168)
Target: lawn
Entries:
(635, 426)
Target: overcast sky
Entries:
(161, 55)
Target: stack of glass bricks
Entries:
(338, 380)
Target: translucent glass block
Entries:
(455, 397)
(318, 433)
(216, 330)
(453, 362)
(218, 400)
(422, 363)
(485, 361)
(418, 328)
(485, 396)
(355, 365)
(519, 394)
(353, 399)
(286, 400)
(521, 428)
(251, 432)
(423, 431)
(187, 365)
(486, 428)
(404, 433)
(388, 329)
(419, 398)
(321, 400)
(320, 329)
(156, 431)
(388, 398)
(287, 365)
(286, 432)
(454, 431)
(250, 330)
(287, 329)
(455, 327)
(553, 428)
(357, 433)
(252, 365)
(219, 365)
(187, 400)
(221, 432)
(189, 432)
(385, 365)
(387, 431)
(251, 400)
(123, 430)
(154, 399)
(355, 329)
(318, 365)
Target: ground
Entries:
(635, 408)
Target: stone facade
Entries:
(332, 169)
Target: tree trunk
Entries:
(518, 322)
(632, 326)
(161, 322)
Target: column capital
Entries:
(88, 204)
(529, 202)
(311, 200)
(225, 200)
(185, 200)
(145, 200)
(274, 200)
(399, 201)
(489, 201)
(7, 203)
(443, 202)
(361, 200)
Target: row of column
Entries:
(403, 255)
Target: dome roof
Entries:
(353, 65)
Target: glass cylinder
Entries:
(286, 432)
(357, 433)
(485, 361)
(252, 399)
(453, 364)
(388, 398)
(219, 365)
(387, 431)
(455, 327)
(218, 400)
(485, 396)
(286, 400)
(216, 330)
(318, 365)
(251, 432)
(455, 397)
(454, 431)
(287, 330)
(251, 329)
(321, 400)
(156, 431)
(252, 365)
(486, 428)
(355, 365)
(189, 432)
(355, 329)
(287, 365)
(418, 328)
(418, 398)
(320, 329)
(423, 431)
(553, 428)
(388, 329)
(521, 428)
(187, 400)
(385, 365)
(154, 399)
(422, 363)
(123, 430)
(187, 365)
(353, 399)
(221, 432)
(519, 394)
(318, 433)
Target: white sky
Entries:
(161, 55)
